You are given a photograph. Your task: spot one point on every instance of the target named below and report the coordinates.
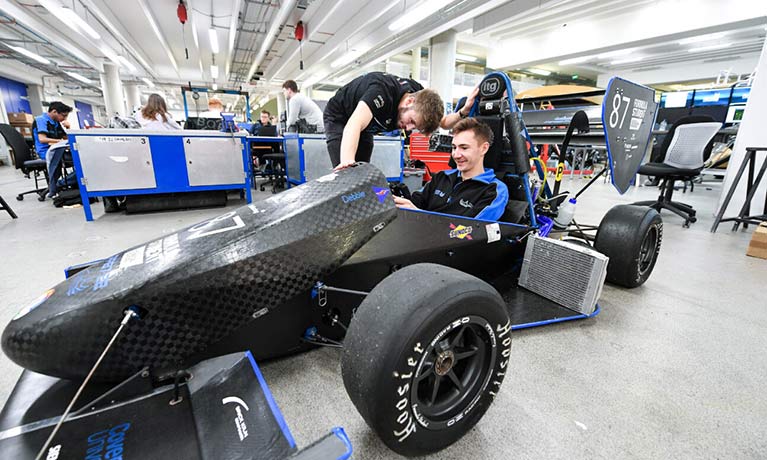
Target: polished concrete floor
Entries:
(673, 369)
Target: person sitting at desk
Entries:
(470, 190)
(263, 121)
(47, 130)
(154, 115)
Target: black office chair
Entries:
(26, 161)
(684, 152)
(274, 162)
(274, 172)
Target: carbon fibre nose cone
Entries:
(200, 284)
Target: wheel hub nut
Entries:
(444, 363)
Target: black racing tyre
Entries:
(631, 237)
(425, 355)
(110, 204)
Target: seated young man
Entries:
(470, 190)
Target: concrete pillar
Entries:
(112, 88)
(415, 64)
(133, 97)
(442, 66)
(750, 134)
(5, 157)
(307, 91)
(35, 96)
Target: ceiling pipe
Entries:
(282, 16)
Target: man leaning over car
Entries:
(470, 190)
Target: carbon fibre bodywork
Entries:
(243, 280)
(200, 284)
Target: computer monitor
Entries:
(735, 113)
(269, 131)
(717, 112)
(671, 115)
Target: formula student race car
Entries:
(422, 305)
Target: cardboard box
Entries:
(24, 130)
(758, 245)
(20, 119)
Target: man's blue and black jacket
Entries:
(482, 196)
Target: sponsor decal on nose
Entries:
(381, 193)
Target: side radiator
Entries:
(565, 273)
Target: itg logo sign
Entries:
(489, 87)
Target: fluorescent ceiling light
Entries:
(126, 63)
(709, 47)
(70, 18)
(190, 12)
(214, 71)
(465, 57)
(417, 14)
(702, 38)
(80, 22)
(148, 82)
(56, 9)
(28, 53)
(77, 76)
(612, 54)
(213, 40)
(626, 61)
(346, 58)
(578, 60)
(542, 72)
(312, 80)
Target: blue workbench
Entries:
(306, 157)
(119, 162)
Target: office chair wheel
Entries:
(41, 198)
(20, 197)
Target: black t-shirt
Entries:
(380, 91)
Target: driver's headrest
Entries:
(492, 87)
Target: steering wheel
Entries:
(399, 189)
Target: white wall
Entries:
(750, 134)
